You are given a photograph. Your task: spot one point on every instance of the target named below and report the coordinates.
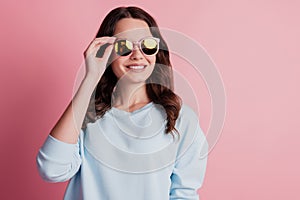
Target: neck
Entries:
(127, 95)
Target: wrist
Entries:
(92, 78)
(90, 81)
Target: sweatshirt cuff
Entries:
(55, 148)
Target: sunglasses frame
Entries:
(139, 44)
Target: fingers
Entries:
(96, 44)
(102, 49)
(107, 52)
(102, 40)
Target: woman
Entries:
(133, 139)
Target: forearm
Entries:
(68, 127)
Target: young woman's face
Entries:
(131, 65)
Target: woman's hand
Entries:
(95, 65)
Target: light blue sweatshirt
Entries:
(127, 156)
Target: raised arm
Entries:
(59, 158)
(68, 126)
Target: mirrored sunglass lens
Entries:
(149, 46)
(123, 47)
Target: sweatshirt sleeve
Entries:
(58, 161)
(189, 170)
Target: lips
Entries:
(136, 66)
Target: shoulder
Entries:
(187, 123)
(187, 115)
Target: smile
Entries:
(136, 66)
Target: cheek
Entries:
(113, 58)
(115, 65)
(152, 60)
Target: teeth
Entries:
(136, 67)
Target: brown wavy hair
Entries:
(162, 93)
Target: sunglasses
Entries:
(149, 46)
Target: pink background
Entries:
(255, 45)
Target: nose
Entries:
(136, 53)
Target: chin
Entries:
(133, 77)
(135, 80)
